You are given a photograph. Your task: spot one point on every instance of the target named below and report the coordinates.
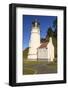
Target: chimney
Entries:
(50, 39)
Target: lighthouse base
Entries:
(32, 57)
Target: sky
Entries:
(45, 22)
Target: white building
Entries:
(46, 51)
(34, 42)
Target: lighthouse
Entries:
(34, 41)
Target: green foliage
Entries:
(28, 71)
(25, 53)
(55, 27)
(36, 67)
(50, 32)
(42, 40)
(55, 24)
(53, 34)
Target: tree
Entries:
(55, 36)
(55, 27)
(50, 32)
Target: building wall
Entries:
(47, 54)
(43, 54)
(50, 47)
(34, 43)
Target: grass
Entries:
(30, 62)
(30, 67)
(38, 62)
(28, 71)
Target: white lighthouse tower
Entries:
(34, 42)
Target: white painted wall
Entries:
(43, 54)
(47, 54)
(50, 47)
(34, 43)
(4, 40)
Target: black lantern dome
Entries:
(35, 23)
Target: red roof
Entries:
(43, 45)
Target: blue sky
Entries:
(45, 22)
